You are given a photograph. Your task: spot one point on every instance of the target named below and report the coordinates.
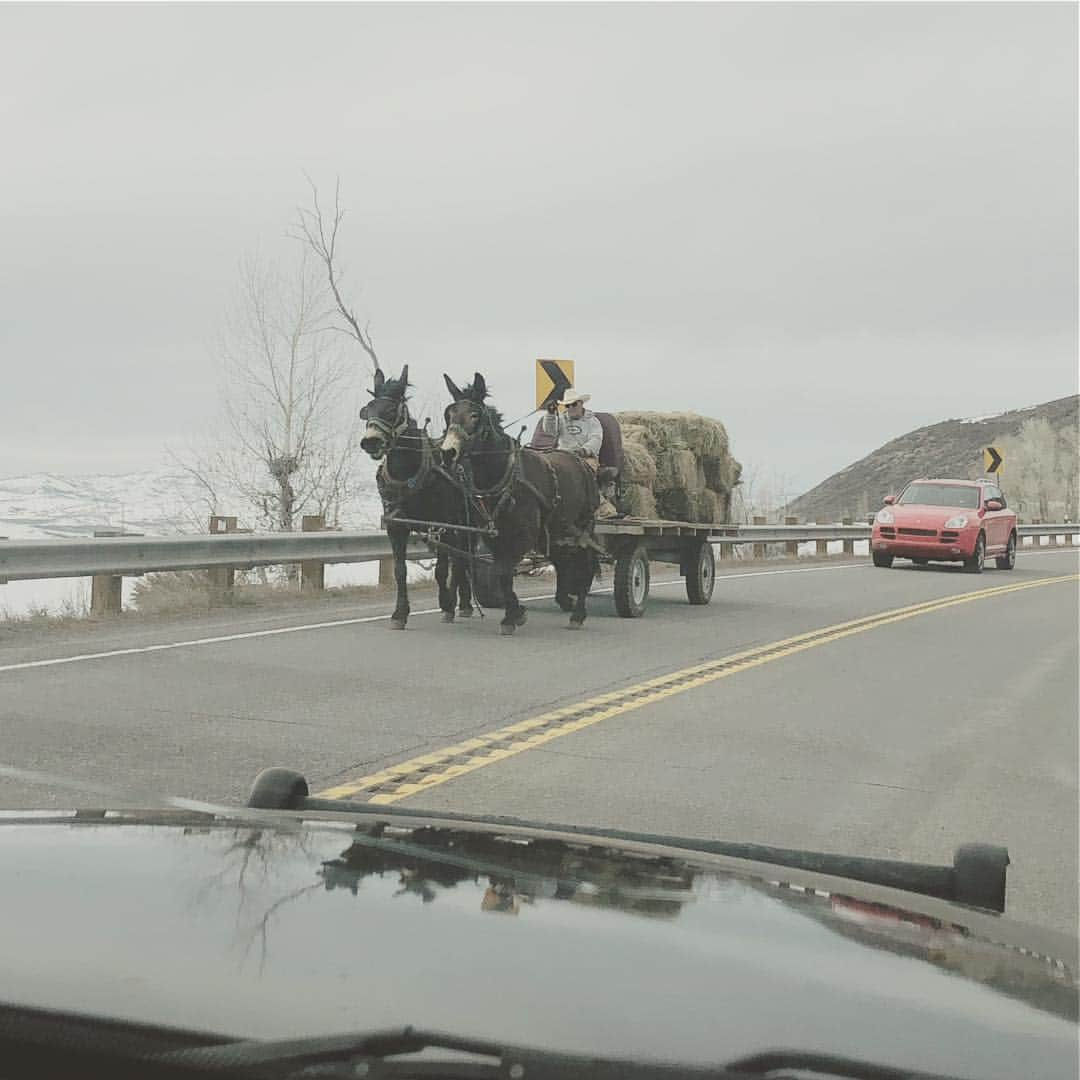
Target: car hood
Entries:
(928, 517)
(593, 947)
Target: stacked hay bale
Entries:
(676, 466)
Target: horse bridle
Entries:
(390, 432)
(486, 423)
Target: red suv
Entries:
(946, 521)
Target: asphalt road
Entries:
(901, 736)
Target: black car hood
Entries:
(266, 931)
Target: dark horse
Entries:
(536, 501)
(414, 485)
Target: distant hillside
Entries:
(951, 448)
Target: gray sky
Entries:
(824, 224)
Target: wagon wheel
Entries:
(700, 573)
(632, 582)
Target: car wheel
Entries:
(975, 564)
(882, 559)
(1008, 560)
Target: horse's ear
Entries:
(404, 377)
(380, 378)
(479, 385)
(455, 393)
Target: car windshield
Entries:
(948, 495)
(488, 410)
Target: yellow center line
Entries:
(437, 767)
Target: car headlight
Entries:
(885, 517)
(957, 522)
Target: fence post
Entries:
(792, 546)
(107, 590)
(849, 545)
(822, 546)
(386, 570)
(1036, 541)
(759, 549)
(312, 571)
(222, 577)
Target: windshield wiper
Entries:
(380, 1054)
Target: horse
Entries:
(535, 501)
(413, 484)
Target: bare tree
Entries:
(1040, 471)
(319, 232)
(286, 443)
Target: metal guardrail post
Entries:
(759, 549)
(792, 546)
(849, 545)
(313, 571)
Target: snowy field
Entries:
(44, 506)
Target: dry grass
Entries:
(192, 592)
(43, 617)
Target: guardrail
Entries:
(108, 559)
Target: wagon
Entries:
(630, 545)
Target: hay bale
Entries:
(721, 472)
(639, 466)
(638, 501)
(676, 504)
(677, 470)
(707, 507)
(679, 430)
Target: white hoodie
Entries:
(585, 435)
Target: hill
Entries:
(950, 448)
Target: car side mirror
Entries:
(889, 500)
(994, 504)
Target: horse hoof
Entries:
(520, 617)
(397, 624)
(465, 613)
(572, 625)
(447, 616)
(506, 629)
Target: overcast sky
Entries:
(824, 224)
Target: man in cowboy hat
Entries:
(579, 431)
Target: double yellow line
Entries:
(430, 770)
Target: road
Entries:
(948, 713)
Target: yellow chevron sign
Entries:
(552, 378)
(993, 459)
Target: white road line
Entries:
(249, 634)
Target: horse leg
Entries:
(584, 565)
(460, 585)
(562, 592)
(398, 542)
(515, 613)
(446, 595)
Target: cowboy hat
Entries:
(570, 395)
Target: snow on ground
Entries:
(46, 506)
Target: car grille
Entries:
(888, 532)
(918, 532)
(949, 537)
